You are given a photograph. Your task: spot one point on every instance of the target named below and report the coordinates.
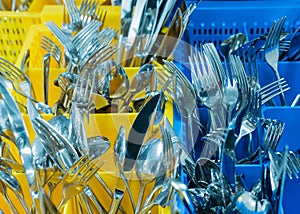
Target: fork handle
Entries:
(46, 67)
(118, 196)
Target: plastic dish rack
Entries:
(106, 124)
(14, 27)
(35, 33)
(215, 21)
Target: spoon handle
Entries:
(141, 194)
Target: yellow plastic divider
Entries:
(34, 35)
(99, 124)
(37, 5)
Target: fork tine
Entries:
(280, 129)
(86, 32)
(51, 47)
(47, 134)
(280, 81)
(272, 88)
(101, 15)
(164, 81)
(279, 90)
(271, 34)
(74, 168)
(10, 68)
(102, 54)
(50, 148)
(83, 167)
(280, 27)
(94, 167)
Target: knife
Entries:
(138, 131)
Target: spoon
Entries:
(98, 145)
(245, 202)
(120, 148)
(148, 165)
(141, 80)
(116, 81)
(232, 43)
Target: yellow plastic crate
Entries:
(35, 33)
(99, 124)
(14, 27)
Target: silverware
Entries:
(120, 148)
(272, 50)
(22, 142)
(77, 177)
(184, 195)
(117, 199)
(8, 180)
(140, 81)
(138, 131)
(148, 165)
(74, 14)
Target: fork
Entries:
(208, 88)
(99, 47)
(228, 86)
(56, 145)
(272, 90)
(273, 133)
(67, 43)
(51, 47)
(17, 77)
(76, 179)
(74, 14)
(272, 50)
(89, 10)
(85, 85)
(61, 151)
(53, 50)
(251, 119)
(185, 99)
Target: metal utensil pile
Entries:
(193, 170)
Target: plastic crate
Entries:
(33, 40)
(14, 28)
(106, 125)
(215, 21)
(290, 116)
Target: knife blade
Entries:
(138, 131)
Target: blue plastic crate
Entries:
(214, 21)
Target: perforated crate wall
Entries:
(13, 28)
(215, 21)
